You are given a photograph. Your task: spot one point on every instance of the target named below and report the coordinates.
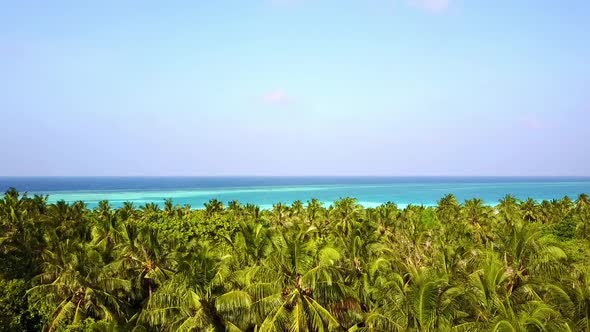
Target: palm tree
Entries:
(300, 287)
(546, 213)
(314, 210)
(142, 258)
(279, 213)
(213, 207)
(488, 288)
(526, 256)
(566, 206)
(509, 211)
(477, 215)
(197, 299)
(346, 212)
(448, 209)
(150, 212)
(234, 207)
(529, 210)
(418, 300)
(21, 235)
(251, 243)
(127, 211)
(583, 212)
(253, 211)
(580, 289)
(388, 212)
(169, 208)
(73, 286)
(456, 262)
(104, 209)
(297, 211)
(38, 204)
(106, 232)
(531, 316)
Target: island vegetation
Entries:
(457, 266)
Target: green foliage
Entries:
(517, 266)
(565, 229)
(13, 305)
(83, 326)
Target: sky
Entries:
(295, 87)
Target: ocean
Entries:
(265, 191)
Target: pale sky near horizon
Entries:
(295, 87)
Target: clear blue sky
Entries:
(295, 87)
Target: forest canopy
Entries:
(520, 265)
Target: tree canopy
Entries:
(305, 266)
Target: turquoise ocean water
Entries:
(264, 191)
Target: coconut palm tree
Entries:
(196, 298)
(487, 289)
(387, 214)
(234, 207)
(346, 213)
(448, 210)
(127, 211)
(251, 243)
(279, 213)
(530, 316)
(74, 286)
(104, 209)
(581, 290)
(314, 210)
(143, 259)
(583, 212)
(213, 207)
(526, 256)
(529, 210)
(297, 210)
(300, 287)
(417, 300)
(22, 225)
(106, 232)
(478, 216)
(253, 211)
(169, 208)
(508, 211)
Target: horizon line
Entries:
(297, 176)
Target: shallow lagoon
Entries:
(264, 191)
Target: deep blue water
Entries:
(265, 191)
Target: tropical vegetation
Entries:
(456, 266)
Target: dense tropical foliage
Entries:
(516, 266)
